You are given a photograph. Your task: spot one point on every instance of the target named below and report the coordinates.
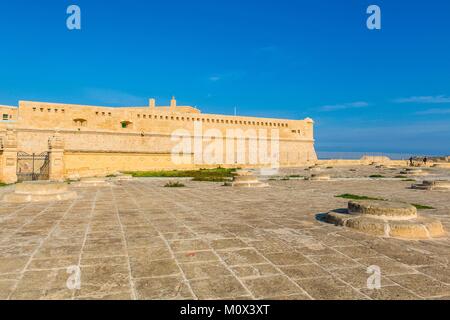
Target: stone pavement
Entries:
(139, 240)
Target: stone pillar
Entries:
(8, 156)
(173, 104)
(56, 157)
(152, 103)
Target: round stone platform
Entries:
(246, 179)
(387, 219)
(438, 185)
(92, 182)
(40, 191)
(123, 177)
(414, 172)
(320, 177)
(383, 209)
(445, 165)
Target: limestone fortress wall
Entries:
(93, 140)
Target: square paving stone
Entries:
(13, 264)
(126, 295)
(196, 256)
(202, 270)
(143, 268)
(390, 293)
(329, 289)
(165, 288)
(150, 253)
(287, 258)
(271, 286)
(241, 257)
(256, 270)
(221, 244)
(438, 272)
(356, 252)
(422, 285)
(61, 251)
(188, 245)
(333, 262)
(6, 288)
(111, 261)
(217, 288)
(103, 279)
(53, 263)
(305, 271)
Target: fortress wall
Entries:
(131, 151)
(8, 113)
(96, 141)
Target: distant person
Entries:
(425, 160)
(411, 162)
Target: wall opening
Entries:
(125, 124)
(80, 122)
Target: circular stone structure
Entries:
(414, 172)
(123, 177)
(383, 209)
(73, 177)
(246, 179)
(387, 219)
(320, 177)
(92, 182)
(40, 191)
(377, 165)
(442, 165)
(437, 185)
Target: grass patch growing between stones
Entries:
(357, 197)
(209, 175)
(421, 207)
(176, 184)
(377, 176)
(401, 177)
(2, 184)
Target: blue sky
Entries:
(369, 91)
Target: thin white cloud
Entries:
(433, 111)
(344, 106)
(424, 99)
(232, 75)
(214, 78)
